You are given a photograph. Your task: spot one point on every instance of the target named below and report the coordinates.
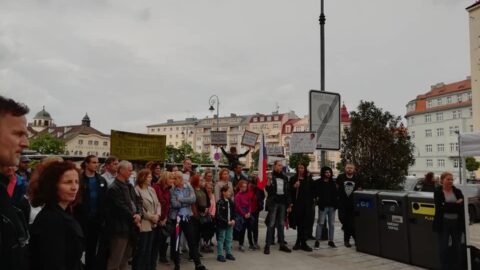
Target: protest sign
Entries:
(218, 137)
(303, 142)
(135, 146)
(249, 138)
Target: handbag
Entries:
(204, 219)
(166, 230)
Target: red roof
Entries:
(289, 123)
(345, 116)
(447, 88)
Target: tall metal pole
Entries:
(322, 19)
(459, 158)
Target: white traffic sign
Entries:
(325, 118)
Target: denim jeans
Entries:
(142, 256)
(450, 259)
(224, 240)
(326, 213)
(276, 219)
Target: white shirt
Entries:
(108, 177)
(280, 184)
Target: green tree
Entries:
(296, 159)
(201, 158)
(340, 167)
(471, 164)
(378, 144)
(47, 144)
(255, 156)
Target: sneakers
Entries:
(266, 250)
(306, 248)
(252, 248)
(331, 244)
(317, 245)
(241, 248)
(284, 248)
(230, 257)
(220, 258)
(200, 267)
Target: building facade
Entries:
(434, 120)
(176, 132)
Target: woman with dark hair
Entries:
(56, 237)
(156, 170)
(429, 182)
(449, 222)
(302, 194)
(143, 259)
(327, 200)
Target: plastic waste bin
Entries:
(423, 241)
(393, 226)
(367, 238)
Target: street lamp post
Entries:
(322, 19)
(214, 101)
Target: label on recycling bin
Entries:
(424, 209)
(397, 219)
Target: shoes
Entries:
(220, 258)
(317, 245)
(200, 267)
(347, 244)
(241, 248)
(266, 250)
(200, 255)
(306, 248)
(284, 248)
(331, 244)
(257, 246)
(296, 246)
(230, 257)
(311, 237)
(252, 248)
(284, 242)
(163, 260)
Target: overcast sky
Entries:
(134, 63)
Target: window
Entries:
(158, 130)
(439, 116)
(152, 130)
(428, 118)
(449, 99)
(171, 129)
(454, 114)
(269, 118)
(439, 132)
(90, 142)
(164, 129)
(176, 135)
(80, 141)
(262, 119)
(105, 143)
(80, 153)
(469, 96)
(170, 136)
(95, 143)
(439, 101)
(288, 129)
(440, 147)
(275, 126)
(428, 148)
(459, 98)
(429, 104)
(451, 130)
(455, 163)
(429, 163)
(428, 133)
(441, 163)
(255, 119)
(453, 147)
(276, 118)
(176, 128)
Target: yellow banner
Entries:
(134, 146)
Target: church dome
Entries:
(43, 115)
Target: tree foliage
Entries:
(47, 144)
(296, 159)
(378, 144)
(471, 164)
(178, 155)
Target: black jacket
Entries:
(346, 187)
(57, 240)
(122, 203)
(272, 196)
(233, 158)
(13, 233)
(82, 211)
(302, 197)
(441, 207)
(221, 214)
(326, 193)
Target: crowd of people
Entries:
(62, 216)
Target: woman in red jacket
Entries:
(243, 211)
(162, 188)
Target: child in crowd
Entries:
(225, 219)
(243, 212)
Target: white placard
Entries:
(275, 150)
(303, 142)
(249, 138)
(218, 137)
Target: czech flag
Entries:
(262, 164)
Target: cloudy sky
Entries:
(133, 63)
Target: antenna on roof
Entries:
(275, 111)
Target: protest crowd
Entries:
(61, 216)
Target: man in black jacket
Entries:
(13, 228)
(347, 183)
(91, 213)
(278, 204)
(123, 217)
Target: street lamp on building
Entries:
(214, 101)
